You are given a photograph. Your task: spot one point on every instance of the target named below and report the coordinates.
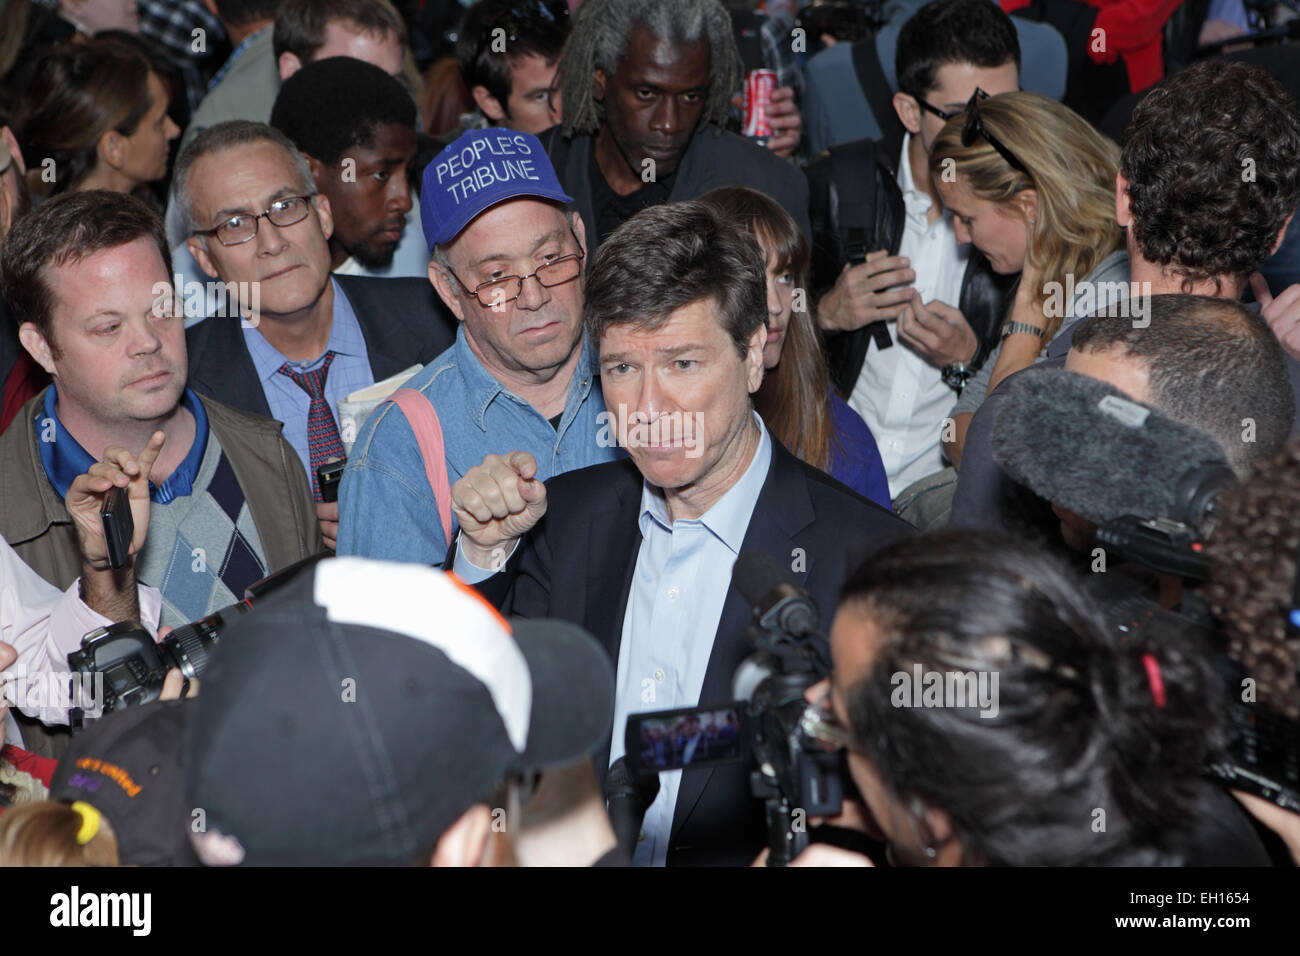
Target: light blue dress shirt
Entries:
(683, 573)
(349, 372)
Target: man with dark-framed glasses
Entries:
(508, 254)
(293, 340)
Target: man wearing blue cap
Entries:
(507, 260)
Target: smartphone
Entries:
(328, 477)
(119, 526)
(690, 737)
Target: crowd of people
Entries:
(452, 355)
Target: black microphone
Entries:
(778, 604)
(1084, 445)
(628, 798)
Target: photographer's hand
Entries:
(496, 504)
(174, 682)
(821, 854)
(1282, 822)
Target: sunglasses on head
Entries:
(974, 126)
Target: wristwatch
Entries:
(957, 375)
(1009, 327)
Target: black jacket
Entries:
(577, 565)
(713, 158)
(402, 321)
(876, 207)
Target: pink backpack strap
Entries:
(423, 419)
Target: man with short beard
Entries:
(647, 88)
(359, 159)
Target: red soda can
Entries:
(759, 86)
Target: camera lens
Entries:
(190, 645)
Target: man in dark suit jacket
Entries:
(640, 551)
(402, 320)
(258, 225)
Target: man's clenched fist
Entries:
(496, 504)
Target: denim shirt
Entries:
(387, 509)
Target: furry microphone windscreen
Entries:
(1086, 446)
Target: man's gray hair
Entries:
(223, 136)
(599, 41)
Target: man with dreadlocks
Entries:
(647, 90)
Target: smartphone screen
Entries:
(690, 737)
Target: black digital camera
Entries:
(133, 666)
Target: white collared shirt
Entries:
(45, 625)
(901, 396)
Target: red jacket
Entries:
(26, 379)
(1133, 29)
(24, 761)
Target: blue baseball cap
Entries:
(479, 170)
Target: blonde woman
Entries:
(1032, 186)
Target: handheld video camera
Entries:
(769, 720)
(133, 666)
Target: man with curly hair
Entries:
(647, 88)
(1209, 181)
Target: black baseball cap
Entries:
(353, 715)
(130, 766)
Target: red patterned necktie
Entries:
(323, 439)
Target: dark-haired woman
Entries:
(94, 116)
(796, 399)
(993, 718)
